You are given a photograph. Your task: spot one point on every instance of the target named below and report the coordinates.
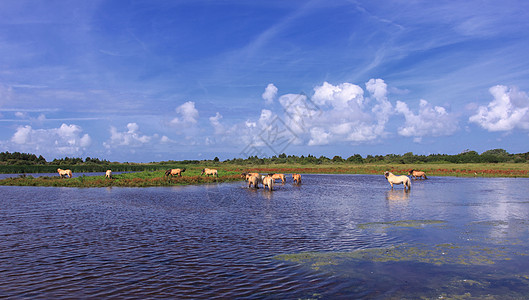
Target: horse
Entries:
(108, 174)
(65, 173)
(209, 172)
(402, 179)
(253, 180)
(173, 172)
(296, 178)
(279, 176)
(248, 175)
(419, 174)
(268, 181)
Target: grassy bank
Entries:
(230, 172)
(458, 170)
(139, 179)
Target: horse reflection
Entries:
(400, 196)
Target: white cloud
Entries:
(65, 140)
(340, 96)
(508, 110)
(165, 139)
(188, 115)
(344, 114)
(270, 93)
(318, 136)
(132, 137)
(429, 121)
(21, 115)
(217, 126)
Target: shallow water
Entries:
(334, 236)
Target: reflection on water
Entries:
(334, 236)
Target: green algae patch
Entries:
(441, 254)
(400, 224)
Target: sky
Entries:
(148, 81)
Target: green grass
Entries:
(138, 179)
(229, 172)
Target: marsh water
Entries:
(332, 237)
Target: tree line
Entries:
(467, 156)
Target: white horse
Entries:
(402, 179)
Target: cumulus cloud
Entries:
(508, 110)
(270, 93)
(65, 140)
(339, 113)
(345, 114)
(187, 114)
(429, 121)
(132, 137)
(339, 96)
(318, 136)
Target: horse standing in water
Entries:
(208, 172)
(417, 174)
(253, 180)
(279, 176)
(296, 178)
(268, 181)
(65, 173)
(175, 172)
(402, 179)
(248, 175)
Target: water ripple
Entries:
(219, 240)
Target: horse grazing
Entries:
(108, 174)
(253, 180)
(209, 172)
(296, 178)
(174, 172)
(417, 174)
(268, 181)
(402, 179)
(279, 176)
(65, 173)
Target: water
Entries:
(334, 236)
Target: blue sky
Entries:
(145, 81)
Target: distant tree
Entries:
(357, 159)
(337, 159)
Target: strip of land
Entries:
(230, 172)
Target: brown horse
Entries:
(108, 174)
(175, 172)
(268, 181)
(417, 174)
(248, 175)
(296, 178)
(208, 172)
(65, 173)
(279, 176)
(253, 180)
